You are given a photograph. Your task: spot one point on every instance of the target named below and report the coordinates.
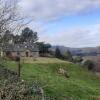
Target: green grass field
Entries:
(82, 84)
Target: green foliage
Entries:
(89, 64)
(28, 35)
(77, 59)
(43, 48)
(58, 53)
(17, 39)
(68, 56)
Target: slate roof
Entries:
(21, 47)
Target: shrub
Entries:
(78, 59)
(58, 53)
(89, 64)
(14, 88)
(68, 56)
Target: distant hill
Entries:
(87, 51)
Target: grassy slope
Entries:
(82, 85)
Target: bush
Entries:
(89, 64)
(68, 56)
(13, 88)
(77, 59)
(58, 53)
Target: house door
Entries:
(27, 54)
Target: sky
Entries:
(71, 23)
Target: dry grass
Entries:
(42, 60)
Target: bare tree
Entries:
(10, 17)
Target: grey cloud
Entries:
(79, 37)
(52, 9)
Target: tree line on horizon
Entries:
(27, 36)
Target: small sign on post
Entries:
(19, 66)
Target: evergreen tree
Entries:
(28, 35)
(43, 48)
(58, 53)
(68, 56)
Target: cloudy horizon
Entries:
(71, 23)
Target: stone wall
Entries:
(23, 54)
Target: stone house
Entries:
(22, 50)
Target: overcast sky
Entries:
(72, 23)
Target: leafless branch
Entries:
(9, 17)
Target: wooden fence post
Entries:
(18, 64)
